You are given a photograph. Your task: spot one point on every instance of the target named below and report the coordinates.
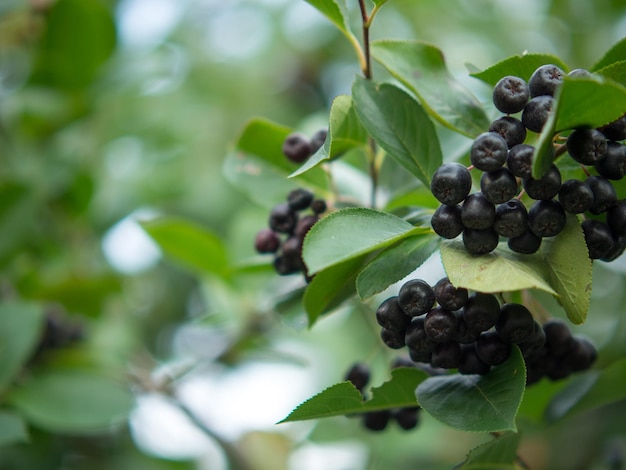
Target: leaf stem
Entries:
(367, 21)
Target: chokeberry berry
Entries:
(266, 241)
(358, 375)
(299, 199)
(470, 362)
(545, 187)
(575, 196)
(498, 186)
(296, 147)
(511, 219)
(481, 311)
(318, 206)
(545, 80)
(613, 165)
(510, 129)
(446, 221)
(376, 420)
(416, 338)
(616, 219)
(598, 238)
(536, 112)
(491, 349)
(283, 219)
(477, 212)
(446, 355)
(582, 73)
(489, 151)
(465, 334)
(527, 243)
(582, 355)
(534, 343)
(304, 225)
(440, 325)
(604, 194)
(615, 130)
(586, 146)
(407, 417)
(515, 323)
(510, 94)
(318, 140)
(619, 246)
(389, 315)
(416, 297)
(448, 296)
(451, 183)
(558, 337)
(546, 218)
(284, 266)
(480, 242)
(520, 160)
(392, 339)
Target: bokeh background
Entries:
(118, 112)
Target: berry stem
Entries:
(559, 150)
(366, 65)
(584, 168)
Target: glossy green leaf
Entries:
(79, 36)
(344, 399)
(190, 244)
(498, 271)
(498, 454)
(400, 126)
(345, 133)
(259, 169)
(483, 403)
(395, 263)
(336, 12)
(522, 65)
(615, 71)
(588, 391)
(12, 429)
(544, 148)
(331, 286)
(72, 401)
(569, 269)
(616, 53)
(421, 68)
(20, 328)
(350, 233)
(379, 2)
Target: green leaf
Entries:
(569, 267)
(20, 329)
(79, 36)
(498, 271)
(421, 68)
(616, 53)
(345, 133)
(337, 13)
(331, 286)
(72, 401)
(190, 244)
(258, 167)
(616, 72)
(350, 233)
(522, 65)
(344, 399)
(379, 2)
(12, 429)
(400, 126)
(484, 403)
(588, 391)
(395, 263)
(498, 454)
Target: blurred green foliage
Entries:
(114, 112)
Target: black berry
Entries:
(510, 94)
(477, 212)
(586, 146)
(440, 325)
(318, 140)
(546, 218)
(545, 187)
(488, 151)
(510, 129)
(299, 199)
(446, 355)
(616, 130)
(450, 297)
(390, 316)
(480, 242)
(491, 349)
(451, 183)
(575, 196)
(481, 311)
(446, 221)
(515, 323)
(296, 147)
(604, 195)
(498, 186)
(536, 112)
(520, 160)
(283, 219)
(545, 80)
(613, 165)
(598, 238)
(470, 362)
(511, 219)
(358, 375)
(266, 241)
(526, 243)
(416, 297)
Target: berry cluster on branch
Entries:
(498, 210)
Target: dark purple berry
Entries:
(266, 241)
(390, 316)
(510, 129)
(613, 165)
(376, 420)
(511, 219)
(470, 362)
(481, 311)
(534, 343)
(558, 337)
(510, 94)
(520, 160)
(416, 338)
(616, 219)
(545, 80)
(598, 238)
(446, 221)
(545, 187)
(283, 219)
(498, 186)
(318, 140)
(480, 242)
(488, 152)
(440, 325)
(358, 375)
(318, 206)
(546, 218)
(575, 196)
(296, 147)
(526, 243)
(616, 130)
(446, 355)
(477, 212)
(299, 199)
(491, 349)
(451, 183)
(536, 112)
(407, 417)
(515, 323)
(416, 297)
(586, 146)
(450, 297)
(392, 339)
(604, 195)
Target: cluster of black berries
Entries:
(287, 229)
(297, 147)
(448, 328)
(506, 161)
(407, 417)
